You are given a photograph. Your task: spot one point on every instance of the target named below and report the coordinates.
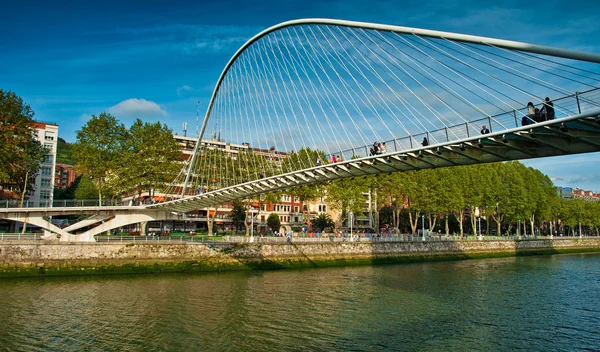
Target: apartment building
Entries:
(47, 135)
(584, 194)
(64, 176)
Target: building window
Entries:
(296, 210)
(263, 207)
(305, 207)
(46, 171)
(322, 208)
(44, 195)
(285, 198)
(45, 182)
(295, 219)
(48, 159)
(48, 146)
(49, 136)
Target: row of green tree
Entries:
(121, 161)
(503, 194)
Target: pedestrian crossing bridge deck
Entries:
(572, 135)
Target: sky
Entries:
(160, 60)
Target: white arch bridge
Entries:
(315, 100)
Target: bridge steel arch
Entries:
(501, 43)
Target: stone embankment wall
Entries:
(18, 259)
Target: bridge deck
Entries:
(568, 135)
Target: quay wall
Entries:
(36, 258)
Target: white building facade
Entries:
(47, 135)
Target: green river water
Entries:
(543, 303)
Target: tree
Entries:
(20, 153)
(150, 158)
(322, 222)
(85, 189)
(305, 157)
(69, 191)
(24, 170)
(16, 120)
(347, 195)
(98, 148)
(273, 222)
(238, 213)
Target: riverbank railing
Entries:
(270, 239)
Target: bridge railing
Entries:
(62, 203)
(564, 106)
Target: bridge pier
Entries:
(105, 219)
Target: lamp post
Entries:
(423, 227)
(252, 212)
(350, 219)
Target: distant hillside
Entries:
(64, 153)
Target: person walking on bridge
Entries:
(547, 110)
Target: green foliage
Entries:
(86, 189)
(347, 194)
(502, 192)
(64, 153)
(273, 222)
(322, 222)
(238, 212)
(20, 153)
(100, 143)
(149, 158)
(69, 191)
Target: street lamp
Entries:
(252, 212)
(423, 226)
(350, 219)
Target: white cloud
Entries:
(85, 117)
(137, 108)
(183, 88)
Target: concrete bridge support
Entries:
(106, 220)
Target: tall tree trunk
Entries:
(397, 212)
(246, 225)
(473, 219)
(447, 227)
(461, 215)
(432, 225)
(498, 219)
(24, 189)
(210, 220)
(532, 221)
(413, 224)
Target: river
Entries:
(543, 303)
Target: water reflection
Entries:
(536, 303)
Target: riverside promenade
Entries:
(43, 258)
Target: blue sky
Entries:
(156, 59)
